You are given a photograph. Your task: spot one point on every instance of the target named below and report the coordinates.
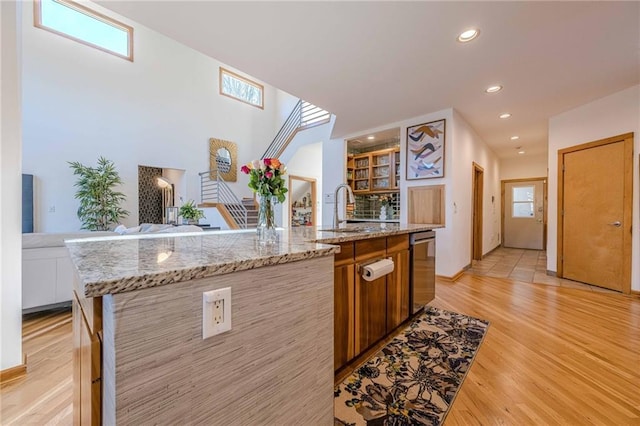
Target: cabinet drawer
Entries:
(397, 243)
(369, 249)
(345, 256)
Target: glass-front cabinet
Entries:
(376, 171)
(361, 173)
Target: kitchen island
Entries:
(138, 311)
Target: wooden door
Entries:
(594, 207)
(523, 214)
(344, 316)
(477, 186)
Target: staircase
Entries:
(252, 212)
(215, 192)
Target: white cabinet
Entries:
(47, 277)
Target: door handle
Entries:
(617, 224)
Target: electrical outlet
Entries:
(216, 312)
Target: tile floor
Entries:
(524, 265)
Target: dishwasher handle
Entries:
(421, 237)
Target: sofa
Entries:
(47, 272)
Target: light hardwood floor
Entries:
(552, 355)
(44, 395)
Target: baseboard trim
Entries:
(14, 373)
(453, 278)
(552, 273)
(635, 293)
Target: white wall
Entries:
(161, 110)
(463, 146)
(306, 162)
(468, 148)
(523, 166)
(613, 115)
(334, 172)
(10, 188)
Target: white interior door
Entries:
(524, 214)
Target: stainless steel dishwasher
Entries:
(423, 269)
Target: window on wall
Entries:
(241, 88)
(523, 201)
(77, 22)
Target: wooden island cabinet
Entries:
(367, 311)
(87, 359)
(140, 351)
(344, 299)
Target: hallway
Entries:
(524, 265)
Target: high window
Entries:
(241, 88)
(77, 22)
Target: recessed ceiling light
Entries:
(505, 115)
(468, 35)
(521, 151)
(493, 89)
(371, 137)
(515, 138)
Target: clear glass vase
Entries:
(267, 233)
(383, 213)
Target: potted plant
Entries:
(99, 201)
(190, 213)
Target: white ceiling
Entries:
(374, 63)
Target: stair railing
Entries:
(214, 189)
(286, 133)
(303, 116)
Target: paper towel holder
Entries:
(362, 265)
(381, 268)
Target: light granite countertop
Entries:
(115, 264)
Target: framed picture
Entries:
(425, 150)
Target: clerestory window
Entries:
(241, 88)
(77, 22)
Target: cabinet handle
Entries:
(617, 224)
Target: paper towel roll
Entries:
(377, 269)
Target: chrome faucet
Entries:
(336, 220)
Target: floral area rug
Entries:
(414, 379)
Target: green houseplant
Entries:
(99, 201)
(190, 213)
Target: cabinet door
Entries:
(398, 290)
(362, 173)
(64, 279)
(396, 168)
(344, 315)
(87, 363)
(381, 175)
(38, 282)
(371, 311)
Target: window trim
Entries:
(37, 22)
(246, 80)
